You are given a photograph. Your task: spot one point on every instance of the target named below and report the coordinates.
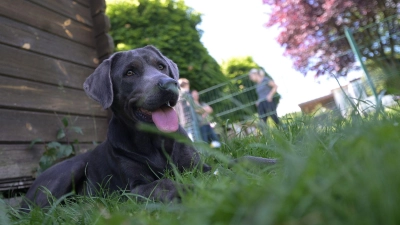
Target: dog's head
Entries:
(138, 85)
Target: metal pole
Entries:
(357, 53)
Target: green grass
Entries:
(333, 172)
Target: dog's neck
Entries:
(125, 136)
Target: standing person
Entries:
(266, 89)
(203, 110)
(186, 113)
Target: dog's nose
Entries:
(168, 84)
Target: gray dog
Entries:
(140, 86)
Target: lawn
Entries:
(335, 171)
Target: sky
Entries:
(234, 28)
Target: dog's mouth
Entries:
(164, 117)
(144, 115)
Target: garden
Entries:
(344, 171)
(334, 170)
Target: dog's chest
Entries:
(157, 162)
(153, 155)
(158, 157)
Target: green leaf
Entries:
(49, 156)
(65, 121)
(60, 134)
(77, 130)
(53, 145)
(34, 141)
(64, 151)
(45, 162)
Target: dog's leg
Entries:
(164, 190)
(59, 180)
(186, 157)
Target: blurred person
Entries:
(266, 89)
(184, 85)
(203, 111)
(186, 113)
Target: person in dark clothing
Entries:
(266, 89)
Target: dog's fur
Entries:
(133, 84)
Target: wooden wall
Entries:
(47, 49)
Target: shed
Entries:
(327, 102)
(47, 49)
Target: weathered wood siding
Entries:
(47, 49)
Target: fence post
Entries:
(357, 53)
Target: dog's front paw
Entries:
(163, 190)
(206, 168)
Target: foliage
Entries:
(171, 27)
(237, 66)
(55, 151)
(385, 77)
(308, 30)
(336, 170)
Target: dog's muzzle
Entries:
(163, 116)
(168, 85)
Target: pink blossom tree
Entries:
(312, 32)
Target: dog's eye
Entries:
(160, 67)
(129, 73)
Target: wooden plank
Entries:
(18, 161)
(18, 183)
(84, 2)
(24, 126)
(101, 59)
(97, 6)
(101, 24)
(44, 19)
(105, 45)
(32, 39)
(28, 65)
(68, 8)
(22, 94)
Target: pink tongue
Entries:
(165, 119)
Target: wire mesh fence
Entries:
(234, 100)
(378, 50)
(375, 50)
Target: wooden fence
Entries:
(47, 49)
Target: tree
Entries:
(171, 27)
(309, 28)
(237, 66)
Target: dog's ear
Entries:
(98, 85)
(172, 66)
